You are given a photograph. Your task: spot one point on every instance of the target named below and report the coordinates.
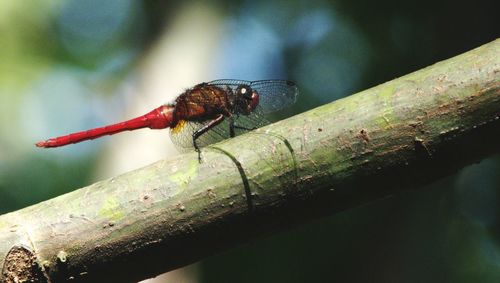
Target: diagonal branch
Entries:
(397, 135)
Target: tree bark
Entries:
(395, 136)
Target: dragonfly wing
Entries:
(256, 119)
(275, 95)
(231, 83)
(182, 134)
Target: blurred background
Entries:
(71, 65)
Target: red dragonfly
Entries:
(207, 113)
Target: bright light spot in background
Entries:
(87, 27)
(490, 251)
(310, 28)
(334, 58)
(248, 50)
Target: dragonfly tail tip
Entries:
(41, 144)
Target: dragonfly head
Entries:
(247, 99)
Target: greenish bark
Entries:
(397, 135)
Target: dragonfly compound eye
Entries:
(247, 99)
(245, 92)
(254, 101)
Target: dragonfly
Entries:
(204, 114)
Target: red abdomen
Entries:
(159, 118)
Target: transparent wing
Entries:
(274, 95)
(255, 120)
(229, 82)
(182, 134)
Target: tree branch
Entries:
(397, 135)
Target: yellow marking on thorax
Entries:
(180, 125)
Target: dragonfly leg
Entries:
(231, 127)
(203, 130)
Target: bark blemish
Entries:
(62, 256)
(421, 147)
(211, 194)
(442, 78)
(20, 265)
(181, 207)
(364, 135)
(46, 264)
(450, 133)
(415, 124)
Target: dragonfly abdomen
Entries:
(159, 118)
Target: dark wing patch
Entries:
(182, 134)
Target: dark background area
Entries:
(71, 65)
